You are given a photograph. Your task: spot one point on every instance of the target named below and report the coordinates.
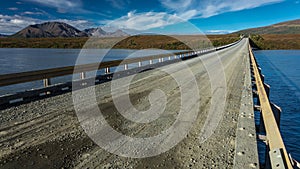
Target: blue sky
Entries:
(172, 16)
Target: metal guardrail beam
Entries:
(15, 78)
(274, 138)
(46, 74)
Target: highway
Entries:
(199, 99)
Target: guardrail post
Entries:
(261, 128)
(82, 75)
(169, 57)
(140, 64)
(267, 89)
(175, 57)
(107, 70)
(262, 77)
(259, 69)
(267, 164)
(159, 60)
(151, 62)
(277, 113)
(47, 82)
(126, 67)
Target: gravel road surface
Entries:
(47, 133)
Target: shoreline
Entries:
(176, 42)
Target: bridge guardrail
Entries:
(277, 154)
(47, 74)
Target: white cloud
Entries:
(130, 14)
(37, 11)
(143, 21)
(58, 4)
(67, 6)
(177, 4)
(119, 4)
(219, 31)
(182, 10)
(208, 8)
(12, 24)
(32, 13)
(61, 6)
(17, 21)
(13, 9)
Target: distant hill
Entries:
(98, 32)
(48, 30)
(60, 29)
(289, 27)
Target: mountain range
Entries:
(60, 29)
(289, 27)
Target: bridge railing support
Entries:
(276, 155)
(47, 74)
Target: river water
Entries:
(282, 72)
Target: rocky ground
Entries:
(47, 133)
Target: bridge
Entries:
(43, 128)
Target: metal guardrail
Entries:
(15, 78)
(46, 74)
(277, 154)
(55, 89)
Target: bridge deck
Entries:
(47, 134)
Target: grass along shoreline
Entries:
(176, 42)
(276, 42)
(179, 42)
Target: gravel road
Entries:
(47, 133)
